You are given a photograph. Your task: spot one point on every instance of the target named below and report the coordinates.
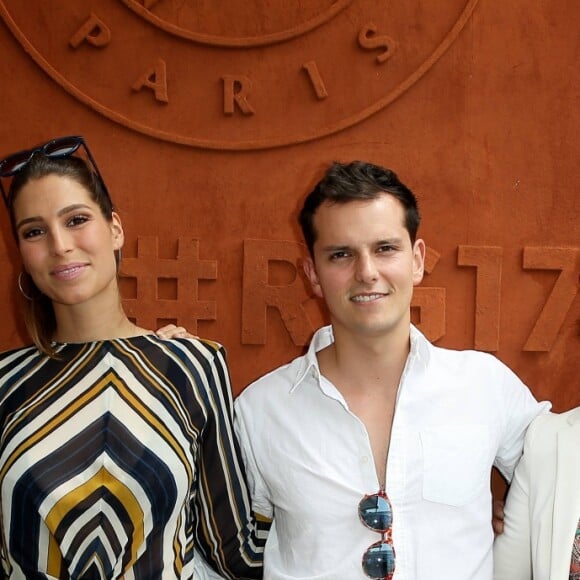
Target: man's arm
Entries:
(498, 516)
(246, 434)
(518, 409)
(173, 331)
(512, 549)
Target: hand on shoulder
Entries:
(172, 331)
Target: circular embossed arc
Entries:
(309, 134)
(242, 41)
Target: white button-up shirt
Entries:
(309, 462)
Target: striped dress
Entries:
(118, 459)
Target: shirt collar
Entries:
(574, 416)
(420, 351)
(308, 363)
(419, 354)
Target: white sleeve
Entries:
(512, 550)
(202, 570)
(248, 436)
(519, 409)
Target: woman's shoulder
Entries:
(192, 346)
(16, 364)
(197, 359)
(188, 342)
(13, 356)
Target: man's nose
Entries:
(366, 269)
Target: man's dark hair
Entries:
(356, 181)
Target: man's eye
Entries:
(383, 249)
(338, 255)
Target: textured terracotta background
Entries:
(210, 122)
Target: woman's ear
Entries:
(117, 231)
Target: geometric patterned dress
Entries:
(118, 458)
(575, 562)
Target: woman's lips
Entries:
(68, 271)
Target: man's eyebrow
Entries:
(389, 241)
(332, 247)
(383, 242)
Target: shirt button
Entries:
(364, 459)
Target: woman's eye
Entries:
(31, 233)
(77, 220)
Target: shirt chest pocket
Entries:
(457, 460)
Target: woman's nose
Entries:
(60, 242)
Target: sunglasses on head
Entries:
(376, 513)
(54, 149)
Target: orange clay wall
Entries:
(210, 121)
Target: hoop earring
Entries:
(29, 298)
(118, 257)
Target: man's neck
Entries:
(366, 361)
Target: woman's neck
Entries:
(84, 324)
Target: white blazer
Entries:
(543, 504)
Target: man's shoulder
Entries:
(274, 383)
(482, 371)
(283, 379)
(449, 355)
(551, 423)
(543, 435)
(466, 357)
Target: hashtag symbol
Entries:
(148, 269)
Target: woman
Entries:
(117, 456)
(541, 538)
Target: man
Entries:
(374, 412)
(542, 520)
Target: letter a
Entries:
(155, 79)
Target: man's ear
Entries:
(418, 261)
(117, 231)
(310, 271)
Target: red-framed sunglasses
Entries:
(376, 513)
